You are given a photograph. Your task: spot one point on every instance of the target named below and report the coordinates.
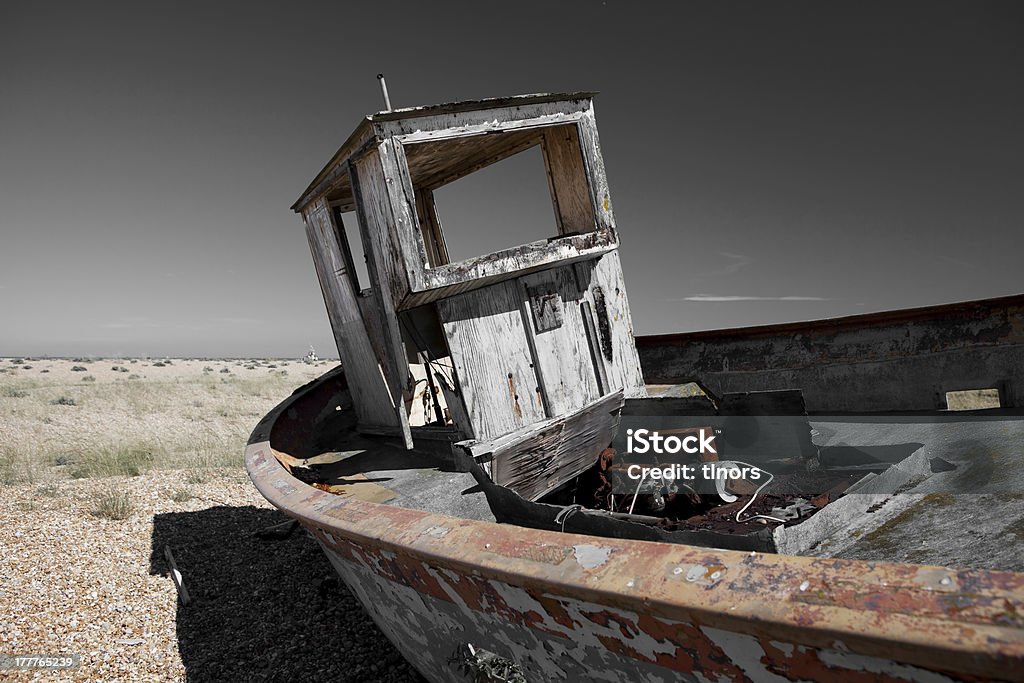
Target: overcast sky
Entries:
(767, 161)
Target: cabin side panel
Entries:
(555, 324)
(613, 324)
(492, 359)
(372, 400)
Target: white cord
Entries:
(639, 484)
(771, 478)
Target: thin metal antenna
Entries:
(384, 92)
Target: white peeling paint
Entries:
(880, 666)
(745, 652)
(591, 556)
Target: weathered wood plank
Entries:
(562, 353)
(372, 400)
(374, 210)
(567, 178)
(430, 228)
(371, 318)
(595, 346)
(622, 369)
(539, 458)
(435, 283)
(517, 102)
(458, 124)
(591, 148)
(542, 258)
(493, 365)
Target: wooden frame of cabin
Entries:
(420, 303)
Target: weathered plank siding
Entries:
(383, 263)
(622, 370)
(430, 228)
(541, 457)
(373, 403)
(491, 355)
(462, 276)
(562, 355)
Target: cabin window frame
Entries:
(434, 256)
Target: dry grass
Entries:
(113, 504)
(177, 414)
(181, 495)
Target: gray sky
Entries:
(768, 161)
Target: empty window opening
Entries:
(483, 194)
(498, 207)
(352, 246)
(972, 399)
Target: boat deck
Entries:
(379, 470)
(956, 500)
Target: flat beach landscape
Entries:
(105, 463)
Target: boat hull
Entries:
(573, 607)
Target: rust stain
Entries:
(605, 619)
(516, 408)
(474, 590)
(554, 609)
(694, 651)
(897, 597)
(803, 664)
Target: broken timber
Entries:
(545, 455)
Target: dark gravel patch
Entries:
(267, 609)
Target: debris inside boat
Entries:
(498, 450)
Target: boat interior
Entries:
(936, 488)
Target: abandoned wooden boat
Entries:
(459, 469)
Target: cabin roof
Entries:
(368, 127)
(478, 105)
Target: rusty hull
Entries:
(574, 607)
